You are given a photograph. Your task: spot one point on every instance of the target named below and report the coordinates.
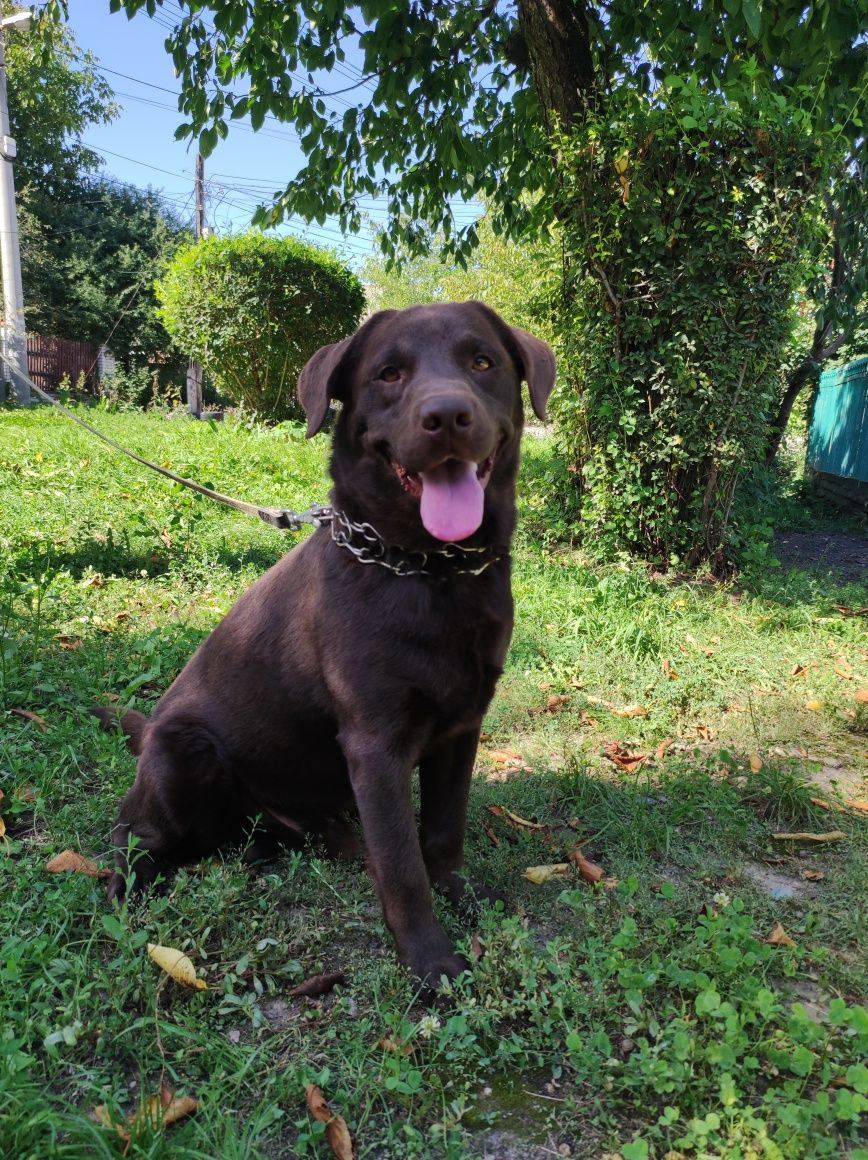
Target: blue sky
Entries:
(139, 147)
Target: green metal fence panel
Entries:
(838, 440)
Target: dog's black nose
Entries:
(445, 414)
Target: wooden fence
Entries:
(52, 358)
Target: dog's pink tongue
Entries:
(452, 500)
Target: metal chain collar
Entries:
(364, 542)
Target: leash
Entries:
(361, 540)
(282, 518)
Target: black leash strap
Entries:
(277, 517)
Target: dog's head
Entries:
(431, 413)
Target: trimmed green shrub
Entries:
(253, 309)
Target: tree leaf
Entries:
(779, 937)
(756, 762)
(176, 964)
(70, 862)
(337, 1132)
(590, 871)
(831, 836)
(34, 717)
(540, 874)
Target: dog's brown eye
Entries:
(482, 363)
(390, 374)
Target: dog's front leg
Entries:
(444, 775)
(380, 777)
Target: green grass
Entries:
(644, 1017)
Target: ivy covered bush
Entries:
(686, 219)
(253, 309)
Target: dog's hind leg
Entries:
(182, 806)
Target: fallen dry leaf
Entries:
(2, 830)
(25, 793)
(831, 836)
(756, 762)
(94, 582)
(103, 1116)
(502, 755)
(704, 732)
(576, 683)
(337, 1132)
(34, 717)
(394, 1046)
(858, 804)
(156, 1112)
(514, 819)
(164, 1110)
(70, 862)
(540, 874)
(669, 670)
(814, 706)
(629, 762)
(812, 875)
(825, 804)
(660, 751)
(590, 871)
(779, 937)
(861, 697)
(318, 984)
(631, 711)
(798, 670)
(176, 964)
(492, 837)
(67, 642)
(552, 705)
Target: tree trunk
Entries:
(800, 377)
(559, 51)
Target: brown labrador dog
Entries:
(374, 646)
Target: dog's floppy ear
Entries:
(538, 360)
(315, 383)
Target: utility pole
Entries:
(14, 334)
(194, 371)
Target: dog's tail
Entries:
(130, 722)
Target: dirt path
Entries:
(845, 555)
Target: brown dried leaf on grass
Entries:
(553, 704)
(862, 696)
(337, 1132)
(34, 717)
(779, 937)
(514, 819)
(590, 871)
(156, 1112)
(395, 1046)
(70, 862)
(812, 875)
(67, 642)
(756, 762)
(629, 762)
(318, 984)
(660, 751)
(669, 670)
(704, 732)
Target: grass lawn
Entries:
(648, 1015)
